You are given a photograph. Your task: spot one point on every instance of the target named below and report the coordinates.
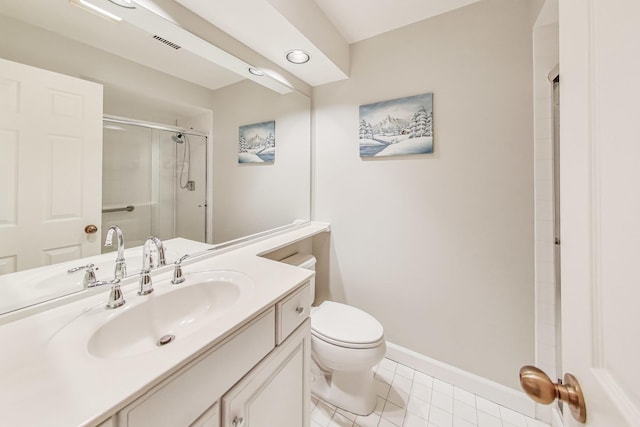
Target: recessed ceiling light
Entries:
(124, 3)
(298, 56)
(256, 71)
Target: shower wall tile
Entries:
(544, 230)
(544, 210)
(543, 148)
(544, 127)
(544, 169)
(544, 192)
(546, 276)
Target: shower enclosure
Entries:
(154, 181)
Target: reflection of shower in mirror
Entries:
(177, 138)
(189, 185)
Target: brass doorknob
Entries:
(90, 229)
(540, 388)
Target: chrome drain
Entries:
(165, 339)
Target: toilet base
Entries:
(352, 391)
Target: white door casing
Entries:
(50, 167)
(600, 199)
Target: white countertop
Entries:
(48, 377)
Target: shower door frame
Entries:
(189, 132)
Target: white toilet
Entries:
(346, 343)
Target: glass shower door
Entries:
(154, 183)
(127, 182)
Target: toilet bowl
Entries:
(346, 343)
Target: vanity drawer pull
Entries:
(299, 309)
(237, 421)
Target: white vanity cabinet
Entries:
(211, 418)
(258, 377)
(277, 391)
(186, 397)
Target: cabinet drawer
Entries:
(291, 312)
(204, 381)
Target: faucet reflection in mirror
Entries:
(146, 286)
(120, 270)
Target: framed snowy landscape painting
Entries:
(397, 127)
(257, 143)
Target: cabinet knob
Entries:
(90, 229)
(237, 421)
(300, 309)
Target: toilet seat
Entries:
(345, 326)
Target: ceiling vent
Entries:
(167, 42)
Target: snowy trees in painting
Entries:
(243, 146)
(420, 124)
(257, 143)
(365, 130)
(397, 127)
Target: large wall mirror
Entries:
(169, 123)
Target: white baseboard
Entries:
(490, 390)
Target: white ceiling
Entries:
(272, 30)
(324, 28)
(361, 19)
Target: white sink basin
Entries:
(190, 306)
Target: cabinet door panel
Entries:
(211, 418)
(276, 392)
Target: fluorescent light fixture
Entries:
(298, 56)
(256, 71)
(95, 9)
(124, 3)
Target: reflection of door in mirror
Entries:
(50, 167)
(154, 182)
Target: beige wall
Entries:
(439, 247)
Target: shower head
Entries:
(177, 138)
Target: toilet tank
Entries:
(307, 261)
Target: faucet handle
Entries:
(89, 279)
(177, 271)
(116, 298)
(146, 286)
(81, 267)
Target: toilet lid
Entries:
(345, 325)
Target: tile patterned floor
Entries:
(408, 398)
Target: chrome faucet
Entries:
(120, 270)
(146, 287)
(89, 280)
(177, 271)
(162, 261)
(116, 298)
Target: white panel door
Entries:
(50, 166)
(600, 199)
